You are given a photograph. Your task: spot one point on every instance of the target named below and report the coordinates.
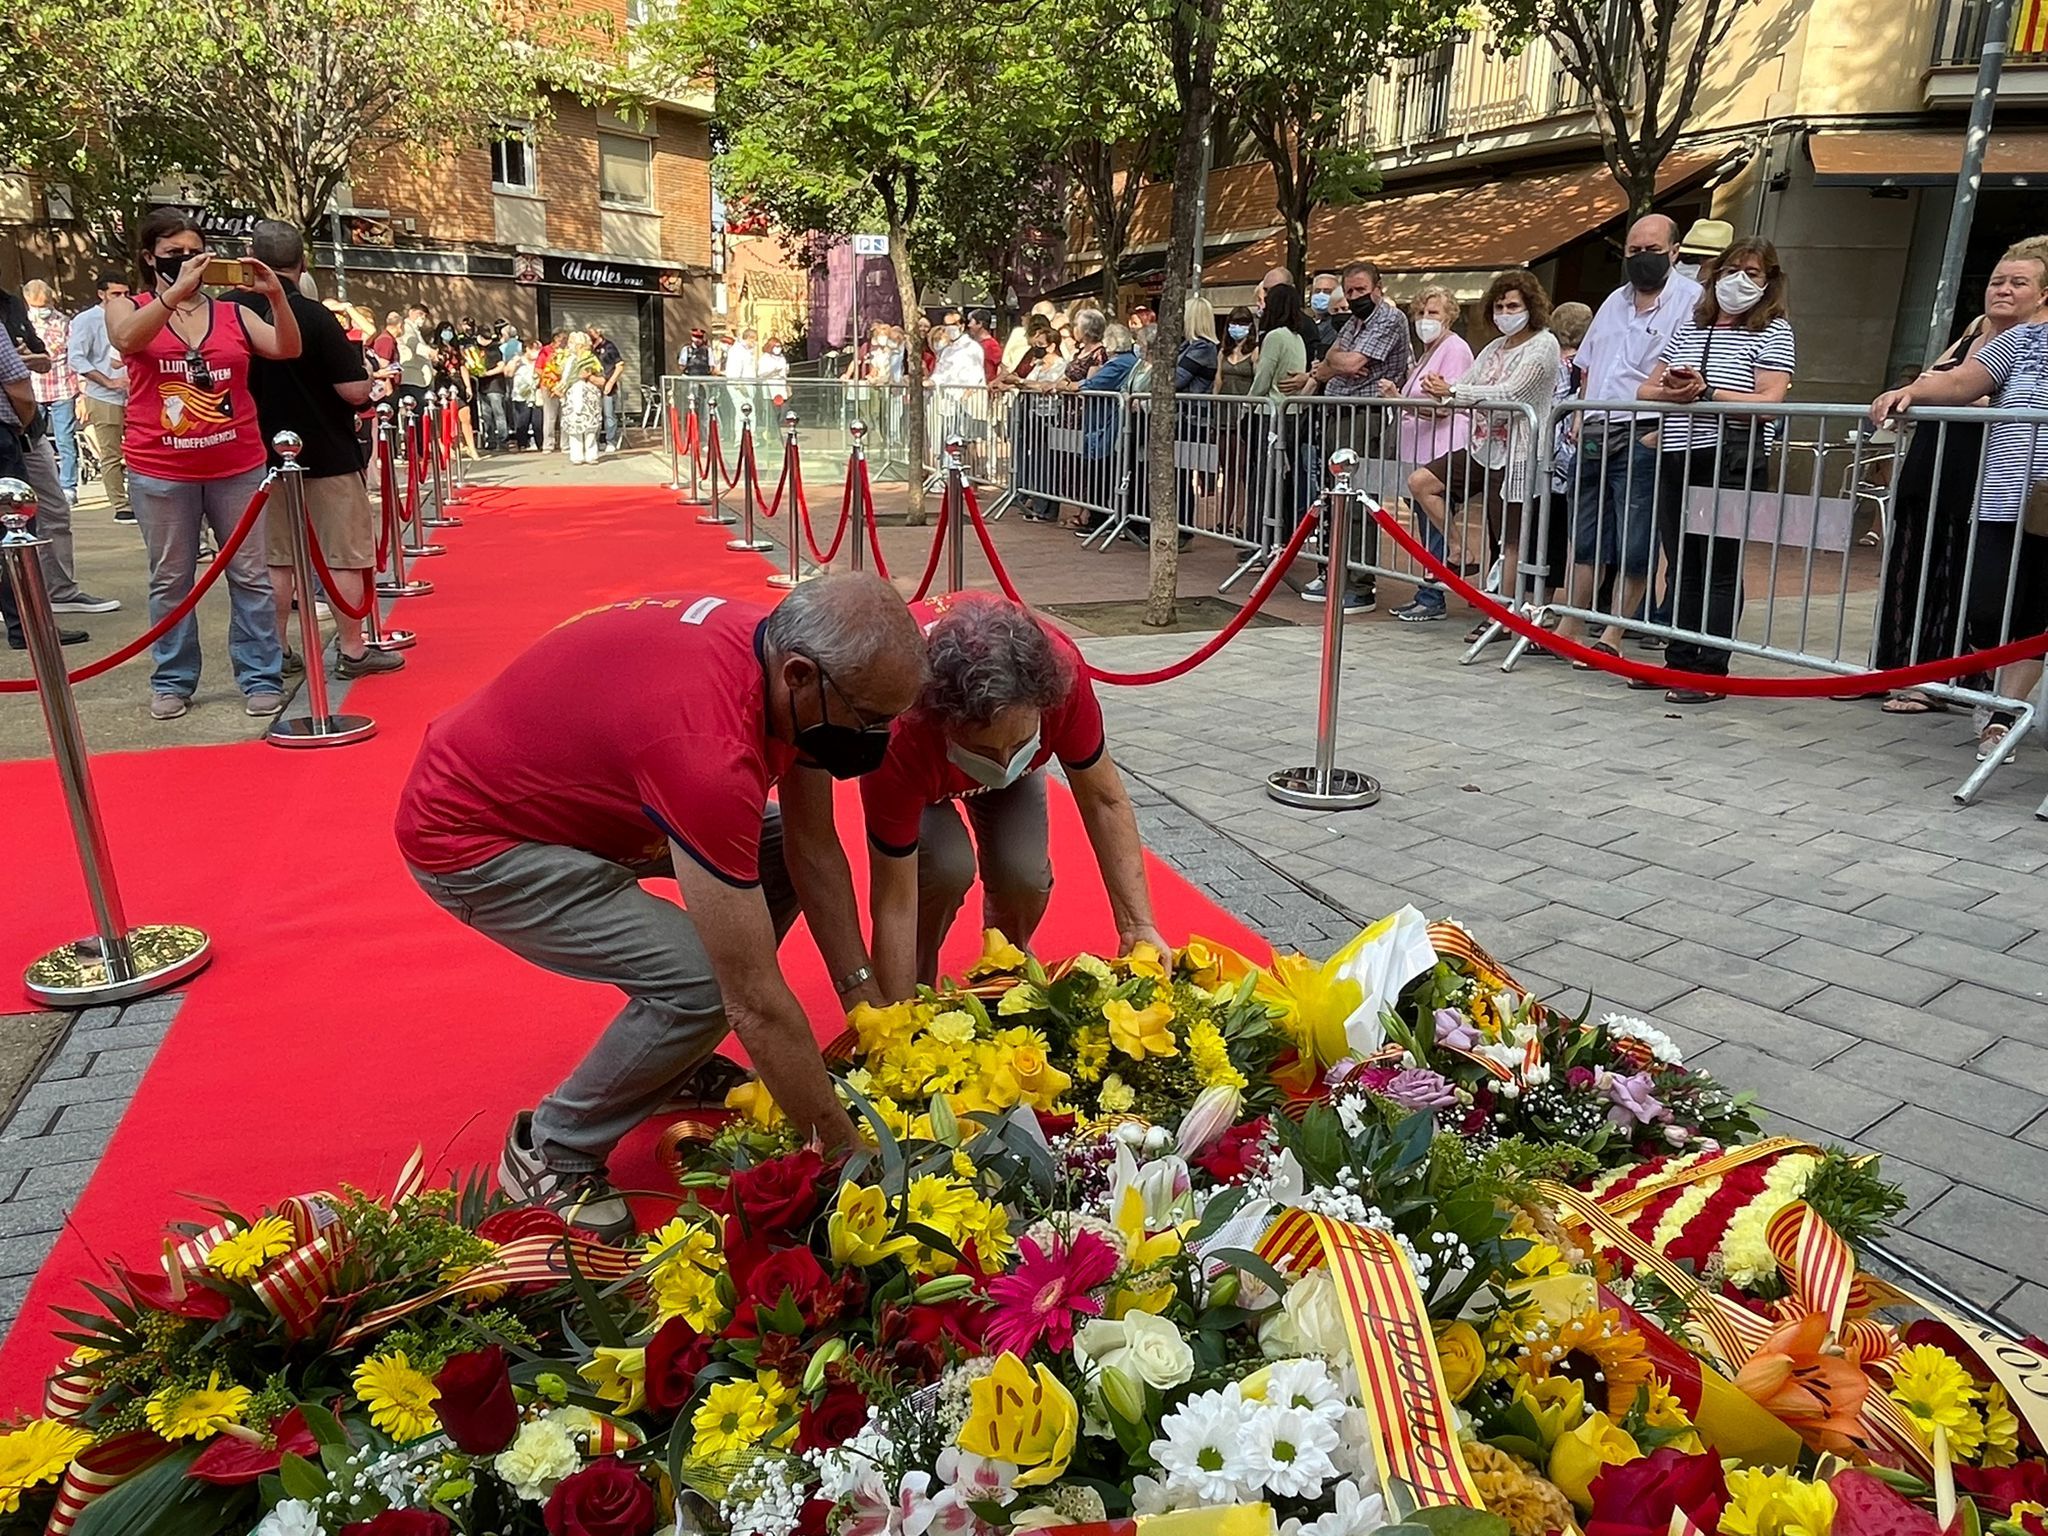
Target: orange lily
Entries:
(1815, 1390)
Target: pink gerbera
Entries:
(1043, 1295)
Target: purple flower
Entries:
(1419, 1088)
(1454, 1029)
(1633, 1102)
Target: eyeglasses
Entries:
(879, 724)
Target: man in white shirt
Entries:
(1613, 513)
(104, 384)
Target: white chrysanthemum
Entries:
(292, 1517)
(1201, 1448)
(541, 1456)
(1356, 1514)
(1288, 1451)
(1305, 1384)
(1353, 1455)
(1659, 1044)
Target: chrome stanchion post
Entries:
(117, 962)
(375, 635)
(672, 419)
(439, 404)
(791, 516)
(856, 460)
(954, 512)
(718, 516)
(415, 444)
(1324, 786)
(694, 419)
(319, 727)
(449, 489)
(748, 540)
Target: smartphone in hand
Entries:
(225, 272)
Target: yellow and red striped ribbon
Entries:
(1642, 1194)
(98, 1470)
(539, 1259)
(1414, 1426)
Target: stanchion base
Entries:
(394, 640)
(424, 550)
(410, 589)
(332, 731)
(76, 976)
(785, 581)
(1347, 789)
(718, 519)
(750, 546)
(440, 522)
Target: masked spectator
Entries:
(105, 392)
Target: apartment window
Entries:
(512, 167)
(625, 170)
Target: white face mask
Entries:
(993, 775)
(1737, 293)
(1511, 322)
(1429, 330)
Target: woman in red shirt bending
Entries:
(195, 451)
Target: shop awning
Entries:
(1144, 268)
(1514, 221)
(1923, 157)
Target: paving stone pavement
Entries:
(1784, 885)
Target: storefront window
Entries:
(512, 158)
(625, 170)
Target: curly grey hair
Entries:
(987, 656)
(1089, 324)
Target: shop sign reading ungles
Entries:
(587, 272)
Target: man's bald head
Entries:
(1653, 231)
(1274, 278)
(854, 626)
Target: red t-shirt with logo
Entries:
(188, 422)
(917, 773)
(625, 728)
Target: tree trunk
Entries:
(913, 365)
(1297, 248)
(1197, 96)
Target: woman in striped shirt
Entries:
(1736, 350)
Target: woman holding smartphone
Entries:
(1736, 350)
(195, 450)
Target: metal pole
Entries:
(791, 516)
(672, 419)
(1997, 32)
(718, 516)
(439, 409)
(1324, 786)
(118, 962)
(375, 635)
(319, 727)
(448, 489)
(749, 488)
(954, 512)
(857, 430)
(853, 324)
(696, 488)
(394, 513)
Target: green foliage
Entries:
(1850, 1195)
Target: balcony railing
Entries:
(1461, 89)
(1960, 34)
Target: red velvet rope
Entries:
(931, 566)
(867, 501)
(1709, 682)
(751, 469)
(177, 615)
(845, 516)
(1186, 664)
(327, 580)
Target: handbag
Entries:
(2034, 514)
(1743, 461)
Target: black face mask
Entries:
(1647, 270)
(844, 751)
(168, 267)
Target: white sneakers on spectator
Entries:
(85, 602)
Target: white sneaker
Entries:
(584, 1199)
(85, 602)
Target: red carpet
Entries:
(346, 1019)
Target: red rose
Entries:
(675, 1356)
(792, 1272)
(1636, 1498)
(401, 1522)
(834, 1419)
(1232, 1155)
(607, 1498)
(780, 1195)
(477, 1407)
(229, 1461)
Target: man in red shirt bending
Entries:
(643, 739)
(1008, 694)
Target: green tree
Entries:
(1287, 73)
(1613, 47)
(1120, 132)
(936, 122)
(98, 107)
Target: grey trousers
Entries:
(1009, 852)
(53, 519)
(583, 916)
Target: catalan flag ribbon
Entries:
(2030, 27)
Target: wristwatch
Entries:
(859, 976)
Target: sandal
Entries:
(1604, 649)
(1913, 704)
(1993, 739)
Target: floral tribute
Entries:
(1157, 1245)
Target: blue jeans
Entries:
(1613, 517)
(64, 433)
(169, 514)
(611, 417)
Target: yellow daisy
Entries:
(399, 1396)
(36, 1453)
(733, 1417)
(242, 1255)
(196, 1414)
